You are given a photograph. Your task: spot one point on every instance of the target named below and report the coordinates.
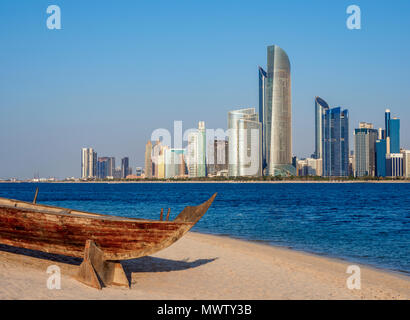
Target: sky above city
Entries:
(118, 70)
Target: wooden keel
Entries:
(96, 272)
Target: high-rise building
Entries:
(309, 167)
(105, 167)
(387, 123)
(148, 159)
(174, 163)
(381, 150)
(392, 132)
(245, 143)
(217, 156)
(88, 163)
(125, 167)
(262, 92)
(276, 113)
(335, 123)
(139, 171)
(365, 150)
(394, 165)
(394, 135)
(196, 153)
(320, 107)
(158, 163)
(117, 173)
(406, 163)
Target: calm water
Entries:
(368, 223)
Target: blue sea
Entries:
(360, 222)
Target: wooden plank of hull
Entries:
(66, 234)
(63, 231)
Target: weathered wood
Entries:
(169, 211)
(64, 231)
(94, 270)
(161, 217)
(35, 197)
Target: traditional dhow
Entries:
(102, 240)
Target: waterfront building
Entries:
(148, 159)
(381, 150)
(262, 92)
(217, 156)
(174, 163)
(352, 165)
(275, 110)
(406, 163)
(139, 172)
(392, 132)
(105, 167)
(245, 143)
(158, 160)
(394, 135)
(156, 150)
(387, 117)
(320, 107)
(117, 173)
(125, 168)
(88, 163)
(335, 140)
(197, 152)
(365, 150)
(309, 167)
(394, 164)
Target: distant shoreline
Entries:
(218, 181)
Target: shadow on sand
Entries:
(143, 264)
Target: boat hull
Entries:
(63, 231)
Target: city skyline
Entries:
(107, 98)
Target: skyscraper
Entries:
(394, 134)
(105, 167)
(174, 163)
(276, 115)
(245, 143)
(394, 164)
(406, 163)
(262, 91)
(335, 123)
(217, 156)
(320, 107)
(125, 167)
(88, 163)
(196, 153)
(381, 150)
(387, 122)
(365, 150)
(148, 159)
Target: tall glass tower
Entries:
(262, 90)
(277, 114)
(244, 143)
(335, 141)
(394, 134)
(320, 107)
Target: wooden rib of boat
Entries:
(102, 240)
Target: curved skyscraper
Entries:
(320, 107)
(277, 115)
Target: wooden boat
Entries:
(102, 240)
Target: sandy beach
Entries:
(203, 266)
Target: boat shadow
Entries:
(139, 265)
(41, 255)
(154, 265)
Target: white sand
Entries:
(206, 267)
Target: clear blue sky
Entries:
(120, 69)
